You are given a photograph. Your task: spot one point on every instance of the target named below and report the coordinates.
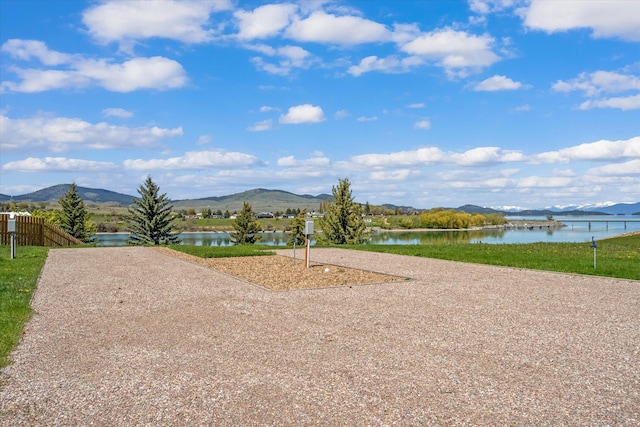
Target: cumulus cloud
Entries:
(621, 103)
(305, 113)
(57, 164)
(602, 150)
(195, 160)
(117, 112)
(598, 84)
(261, 126)
(27, 50)
(62, 133)
(321, 27)
(128, 21)
(620, 19)
(422, 124)
(391, 64)
(367, 118)
(264, 21)
(290, 57)
(134, 74)
(496, 83)
(341, 114)
(425, 155)
(456, 51)
(314, 162)
(630, 168)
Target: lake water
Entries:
(580, 231)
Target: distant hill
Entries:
(261, 200)
(54, 193)
(622, 209)
(264, 200)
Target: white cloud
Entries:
(390, 64)
(61, 133)
(630, 168)
(117, 112)
(137, 73)
(426, 155)
(456, 51)
(321, 27)
(261, 126)
(26, 50)
(394, 175)
(485, 156)
(314, 162)
(264, 21)
(416, 105)
(613, 18)
(305, 113)
(497, 83)
(422, 124)
(267, 108)
(57, 164)
(602, 150)
(292, 57)
(128, 21)
(484, 7)
(341, 114)
(621, 103)
(204, 140)
(195, 160)
(594, 84)
(545, 182)
(367, 119)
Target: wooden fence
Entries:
(32, 231)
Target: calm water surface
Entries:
(575, 232)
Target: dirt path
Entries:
(132, 336)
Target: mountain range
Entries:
(263, 200)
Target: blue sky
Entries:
(423, 103)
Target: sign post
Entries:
(594, 246)
(11, 228)
(308, 231)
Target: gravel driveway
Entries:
(132, 336)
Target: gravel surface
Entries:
(132, 336)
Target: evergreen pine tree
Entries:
(150, 217)
(297, 229)
(73, 216)
(247, 227)
(342, 222)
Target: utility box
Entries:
(308, 228)
(11, 225)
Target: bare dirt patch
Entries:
(281, 273)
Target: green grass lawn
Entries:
(18, 278)
(615, 257)
(225, 251)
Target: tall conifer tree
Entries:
(73, 215)
(342, 222)
(297, 229)
(150, 217)
(247, 227)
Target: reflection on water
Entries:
(574, 232)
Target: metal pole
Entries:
(294, 250)
(594, 257)
(13, 245)
(307, 252)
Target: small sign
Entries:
(593, 243)
(308, 228)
